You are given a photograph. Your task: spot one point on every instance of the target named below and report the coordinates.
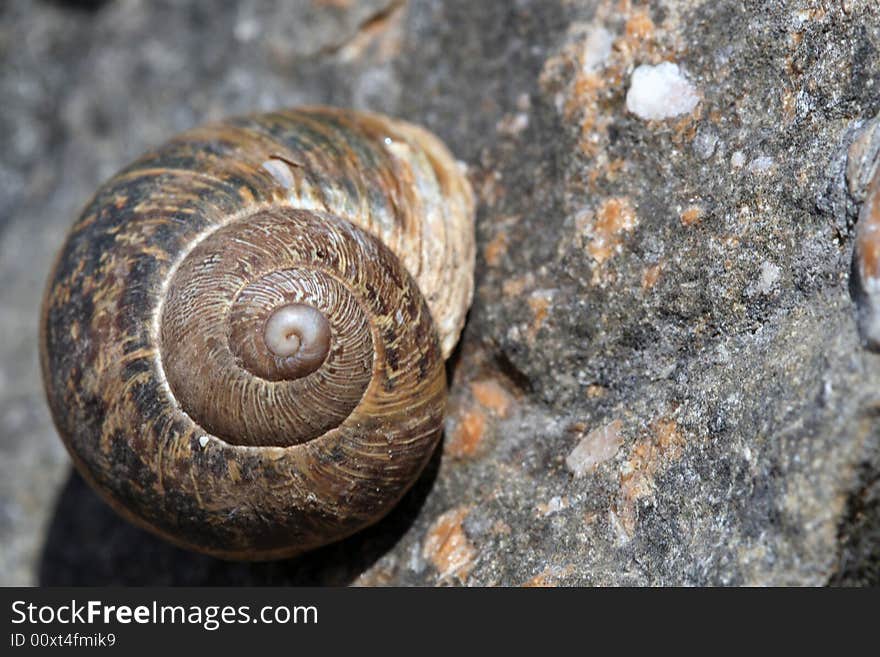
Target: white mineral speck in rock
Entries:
(705, 143)
(660, 92)
(596, 447)
(416, 562)
(554, 505)
(737, 160)
(770, 275)
(597, 47)
(761, 164)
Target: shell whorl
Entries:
(243, 338)
(217, 311)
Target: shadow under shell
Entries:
(88, 544)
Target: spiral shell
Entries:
(243, 337)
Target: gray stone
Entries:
(685, 279)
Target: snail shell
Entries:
(243, 337)
(863, 177)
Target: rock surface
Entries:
(661, 380)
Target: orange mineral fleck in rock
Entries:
(468, 434)
(492, 395)
(650, 276)
(662, 446)
(539, 302)
(595, 391)
(513, 287)
(496, 249)
(691, 215)
(549, 577)
(541, 581)
(614, 217)
(639, 27)
(447, 546)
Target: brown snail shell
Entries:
(243, 337)
(863, 177)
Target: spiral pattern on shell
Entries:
(244, 334)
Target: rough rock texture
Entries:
(661, 380)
